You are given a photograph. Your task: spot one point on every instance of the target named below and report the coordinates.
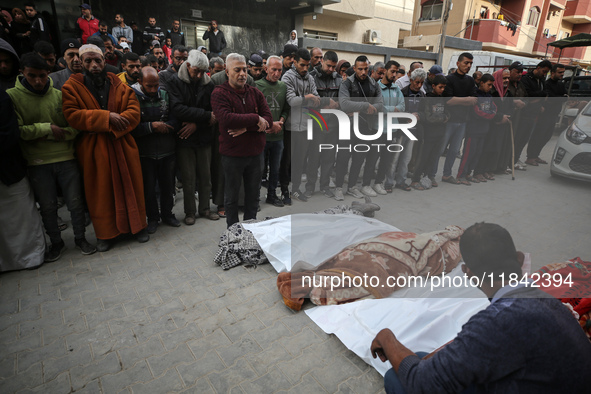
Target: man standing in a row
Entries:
(87, 24)
(244, 117)
(105, 111)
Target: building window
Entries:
(320, 35)
(534, 16)
(431, 10)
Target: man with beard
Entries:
(152, 32)
(159, 53)
(156, 140)
(244, 116)
(131, 69)
(378, 71)
(101, 45)
(70, 48)
(176, 35)
(301, 92)
(105, 111)
(103, 31)
(359, 93)
(328, 83)
(122, 30)
(111, 55)
(315, 58)
(179, 56)
(190, 94)
(255, 66)
(87, 24)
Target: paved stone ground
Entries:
(162, 317)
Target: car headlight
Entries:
(574, 135)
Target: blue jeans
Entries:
(44, 180)
(399, 167)
(392, 384)
(236, 170)
(454, 134)
(274, 149)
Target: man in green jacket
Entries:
(47, 143)
(275, 92)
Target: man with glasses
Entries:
(179, 56)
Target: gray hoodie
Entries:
(297, 88)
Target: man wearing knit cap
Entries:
(255, 66)
(105, 111)
(69, 49)
(288, 54)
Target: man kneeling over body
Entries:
(525, 341)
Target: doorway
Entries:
(194, 31)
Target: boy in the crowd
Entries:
(477, 128)
(434, 112)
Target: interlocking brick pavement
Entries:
(161, 316)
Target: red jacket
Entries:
(235, 109)
(87, 28)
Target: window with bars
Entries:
(321, 35)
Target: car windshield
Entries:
(587, 110)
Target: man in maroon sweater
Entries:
(244, 117)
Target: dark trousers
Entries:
(523, 132)
(44, 181)
(217, 174)
(320, 159)
(236, 171)
(429, 155)
(161, 171)
(285, 167)
(541, 135)
(193, 162)
(386, 159)
(392, 384)
(492, 150)
(273, 151)
(473, 146)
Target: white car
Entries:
(572, 155)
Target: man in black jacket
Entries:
(217, 41)
(156, 144)
(39, 28)
(190, 97)
(557, 94)
(533, 82)
(179, 56)
(153, 32)
(359, 93)
(176, 35)
(328, 83)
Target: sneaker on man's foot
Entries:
(308, 194)
(286, 198)
(379, 189)
(142, 236)
(354, 191)
(55, 251)
(152, 226)
(85, 246)
(274, 200)
(299, 196)
(328, 193)
(338, 194)
(368, 191)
